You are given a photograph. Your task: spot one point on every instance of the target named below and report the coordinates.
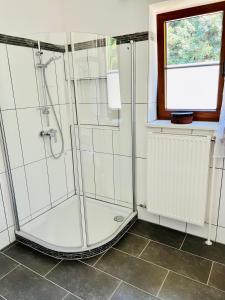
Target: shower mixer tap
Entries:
(51, 133)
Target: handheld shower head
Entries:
(51, 59)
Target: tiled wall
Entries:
(106, 147)
(105, 135)
(40, 181)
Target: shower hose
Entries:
(56, 156)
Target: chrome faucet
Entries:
(51, 133)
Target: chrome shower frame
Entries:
(86, 250)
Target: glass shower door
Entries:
(102, 79)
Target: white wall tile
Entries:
(2, 163)
(101, 61)
(144, 215)
(104, 175)
(6, 92)
(38, 186)
(93, 62)
(11, 232)
(122, 141)
(23, 76)
(12, 138)
(124, 53)
(219, 161)
(66, 120)
(57, 177)
(30, 127)
(80, 60)
(102, 140)
(61, 80)
(201, 231)
(86, 91)
(220, 237)
(21, 193)
(107, 116)
(141, 181)
(6, 199)
(123, 178)
(142, 64)
(69, 171)
(222, 203)
(141, 130)
(171, 223)
(88, 114)
(4, 239)
(77, 171)
(85, 138)
(101, 86)
(88, 171)
(3, 224)
(216, 198)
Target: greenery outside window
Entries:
(191, 55)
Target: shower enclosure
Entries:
(68, 139)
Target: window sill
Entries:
(208, 126)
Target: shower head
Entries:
(51, 59)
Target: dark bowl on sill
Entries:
(182, 117)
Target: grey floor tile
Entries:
(31, 258)
(197, 246)
(83, 281)
(23, 284)
(6, 264)
(92, 260)
(217, 278)
(158, 233)
(179, 261)
(177, 287)
(1, 298)
(127, 292)
(9, 246)
(71, 297)
(145, 276)
(131, 244)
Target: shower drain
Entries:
(118, 218)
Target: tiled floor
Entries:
(150, 262)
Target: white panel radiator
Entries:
(178, 171)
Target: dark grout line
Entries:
(210, 273)
(28, 268)
(157, 294)
(171, 270)
(177, 249)
(116, 289)
(183, 242)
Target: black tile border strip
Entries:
(76, 255)
(24, 42)
(19, 41)
(120, 39)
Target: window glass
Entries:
(193, 48)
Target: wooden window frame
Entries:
(162, 112)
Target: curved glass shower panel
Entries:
(41, 122)
(104, 120)
(67, 119)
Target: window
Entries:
(191, 55)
